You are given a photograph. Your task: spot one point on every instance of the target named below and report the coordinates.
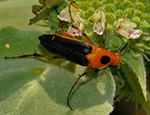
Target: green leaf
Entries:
(40, 16)
(135, 63)
(40, 86)
(139, 97)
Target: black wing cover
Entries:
(68, 49)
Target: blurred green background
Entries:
(17, 13)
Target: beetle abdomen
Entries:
(66, 48)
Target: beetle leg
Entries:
(119, 76)
(73, 86)
(97, 69)
(64, 32)
(34, 55)
(82, 33)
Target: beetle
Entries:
(77, 51)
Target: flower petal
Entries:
(123, 33)
(128, 24)
(99, 24)
(64, 15)
(136, 34)
(99, 28)
(75, 32)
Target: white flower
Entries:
(78, 21)
(73, 31)
(126, 29)
(100, 21)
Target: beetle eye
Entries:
(105, 60)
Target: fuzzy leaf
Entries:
(136, 64)
(40, 86)
(138, 93)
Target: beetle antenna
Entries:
(56, 11)
(124, 47)
(70, 10)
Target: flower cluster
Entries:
(123, 27)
